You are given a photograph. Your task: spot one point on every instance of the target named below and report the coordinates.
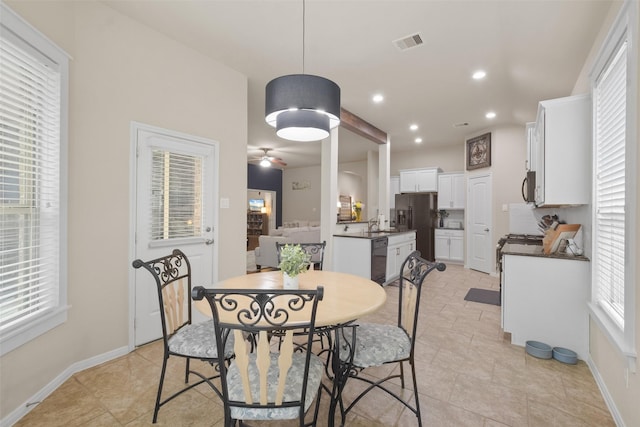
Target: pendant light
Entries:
(302, 107)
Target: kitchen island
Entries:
(375, 255)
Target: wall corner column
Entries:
(328, 194)
(384, 184)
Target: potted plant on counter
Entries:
(293, 261)
(442, 214)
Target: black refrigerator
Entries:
(418, 212)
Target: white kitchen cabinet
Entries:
(562, 146)
(352, 255)
(545, 299)
(400, 246)
(449, 245)
(394, 188)
(419, 180)
(451, 191)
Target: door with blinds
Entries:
(176, 184)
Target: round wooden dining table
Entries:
(346, 297)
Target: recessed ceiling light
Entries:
(378, 98)
(418, 140)
(413, 127)
(480, 74)
(490, 115)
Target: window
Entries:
(609, 192)
(33, 79)
(176, 195)
(614, 123)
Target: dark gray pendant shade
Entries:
(302, 107)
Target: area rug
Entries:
(483, 296)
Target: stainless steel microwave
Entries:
(529, 187)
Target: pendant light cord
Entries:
(304, 5)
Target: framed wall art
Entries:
(344, 214)
(479, 152)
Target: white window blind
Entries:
(30, 109)
(176, 195)
(609, 195)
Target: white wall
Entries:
(304, 203)
(120, 72)
(508, 154)
(301, 189)
(450, 158)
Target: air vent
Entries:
(460, 125)
(408, 42)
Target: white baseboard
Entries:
(605, 393)
(33, 401)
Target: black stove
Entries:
(518, 239)
(521, 239)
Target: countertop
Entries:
(536, 250)
(373, 234)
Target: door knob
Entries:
(208, 242)
(486, 229)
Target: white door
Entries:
(176, 187)
(479, 240)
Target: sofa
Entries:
(290, 232)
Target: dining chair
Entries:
(367, 345)
(314, 250)
(316, 254)
(266, 380)
(181, 337)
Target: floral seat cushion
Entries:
(198, 340)
(292, 391)
(376, 344)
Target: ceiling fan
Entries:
(266, 161)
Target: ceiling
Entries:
(530, 50)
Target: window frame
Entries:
(623, 338)
(38, 325)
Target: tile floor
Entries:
(468, 376)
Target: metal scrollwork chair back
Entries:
(314, 250)
(379, 344)
(181, 337)
(269, 379)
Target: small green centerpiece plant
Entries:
(293, 260)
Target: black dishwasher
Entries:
(379, 259)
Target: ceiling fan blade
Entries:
(277, 161)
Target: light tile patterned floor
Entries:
(468, 376)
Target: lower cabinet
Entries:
(352, 255)
(545, 299)
(449, 245)
(398, 249)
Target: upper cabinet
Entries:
(560, 148)
(419, 180)
(451, 191)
